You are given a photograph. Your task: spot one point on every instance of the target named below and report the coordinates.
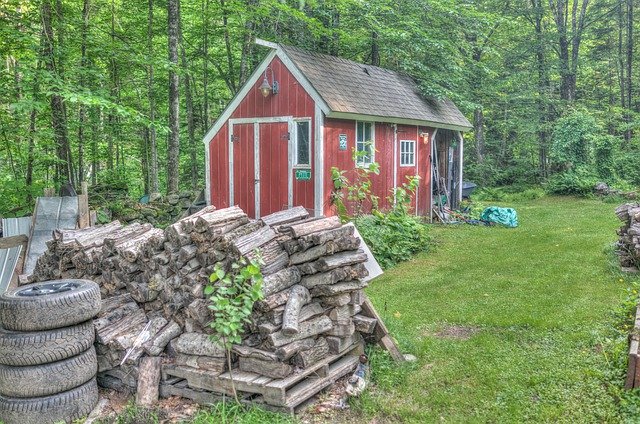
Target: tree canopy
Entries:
(114, 92)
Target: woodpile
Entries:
(628, 246)
(152, 284)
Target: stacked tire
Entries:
(48, 363)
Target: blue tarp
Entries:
(504, 216)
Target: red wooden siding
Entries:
(219, 167)
(273, 167)
(291, 100)
(424, 169)
(382, 184)
(243, 168)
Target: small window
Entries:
(303, 134)
(364, 143)
(407, 153)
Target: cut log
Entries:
(156, 345)
(344, 287)
(298, 297)
(286, 216)
(281, 280)
(250, 242)
(123, 235)
(325, 236)
(288, 351)
(337, 300)
(148, 381)
(272, 301)
(306, 329)
(351, 272)
(364, 324)
(215, 366)
(114, 302)
(351, 257)
(204, 221)
(188, 222)
(269, 369)
(306, 228)
(338, 345)
(328, 248)
(316, 353)
(250, 352)
(357, 297)
(198, 344)
(130, 321)
(342, 330)
(341, 314)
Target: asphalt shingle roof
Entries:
(352, 87)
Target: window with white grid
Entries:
(407, 152)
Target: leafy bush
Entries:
(626, 165)
(573, 137)
(508, 194)
(579, 181)
(392, 237)
(605, 149)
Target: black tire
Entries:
(48, 379)
(32, 308)
(62, 407)
(20, 349)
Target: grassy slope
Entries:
(539, 295)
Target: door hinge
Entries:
(286, 136)
(234, 138)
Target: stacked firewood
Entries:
(628, 246)
(311, 308)
(153, 282)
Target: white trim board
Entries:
(318, 163)
(391, 120)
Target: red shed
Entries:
(302, 113)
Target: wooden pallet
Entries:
(284, 394)
(633, 369)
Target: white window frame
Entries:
(406, 154)
(297, 165)
(359, 161)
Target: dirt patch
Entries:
(456, 332)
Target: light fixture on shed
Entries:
(266, 88)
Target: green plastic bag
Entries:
(503, 216)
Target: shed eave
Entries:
(394, 120)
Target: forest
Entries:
(119, 94)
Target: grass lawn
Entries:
(507, 324)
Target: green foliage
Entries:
(232, 295)
(605, 152)
(508, 194)
(135, 414)
(393, 237)
(358, 192)
(233, 413)
(573, 138)
(578, 181)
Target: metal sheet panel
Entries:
(9, 257)
(51, 213)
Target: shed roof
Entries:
(353, 88)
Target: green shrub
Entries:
(508, 194)
(392, 237)
(573, 137)
(579, 181)
(605, 149)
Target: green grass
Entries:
(539, 298)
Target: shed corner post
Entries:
(461, 164)
(318, 162)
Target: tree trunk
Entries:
(173, 148)
(543, 89)
(58, 118)
(628, 133)
(205, 63)
(478, 130)
(190, 121)
(153, 147)
(82, 115)
(375, 49)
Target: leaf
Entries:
(208, 290)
